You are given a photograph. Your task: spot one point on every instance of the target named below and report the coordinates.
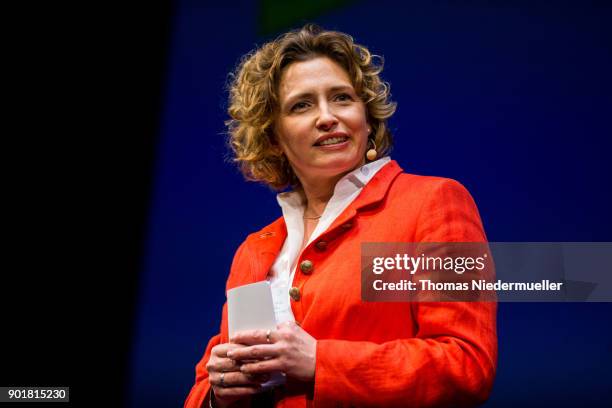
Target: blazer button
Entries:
(321, 245)
(306, 266)
(294, 293)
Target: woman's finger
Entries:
(251, 337)
(231, 379)
(262, 367)
(227, 364)
(257, 352)
(220, 350)
(222, 364)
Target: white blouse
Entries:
(283, 270)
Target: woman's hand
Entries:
(228, 383)
(288, 349)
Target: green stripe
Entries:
(280, 15)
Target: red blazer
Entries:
(379, 354)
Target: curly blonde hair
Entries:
(253, 99)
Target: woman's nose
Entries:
(326, 120)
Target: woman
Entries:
(309, 111)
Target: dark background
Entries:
(125, 212)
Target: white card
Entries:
(250, 307)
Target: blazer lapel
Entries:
(264, 247)
(372, 193)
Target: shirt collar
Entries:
(292, 201)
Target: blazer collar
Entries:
(372, 193)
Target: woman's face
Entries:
(321, 125)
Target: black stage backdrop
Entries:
(83, 103)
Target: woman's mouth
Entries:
(332, 141)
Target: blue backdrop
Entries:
(513, 100)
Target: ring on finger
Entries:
(268, 333)
(222, 380)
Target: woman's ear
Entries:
(275, 147)
(276, 150)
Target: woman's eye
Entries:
(299, 106)
(343, 97)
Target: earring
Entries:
(372, 153)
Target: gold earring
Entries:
(372, 153)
